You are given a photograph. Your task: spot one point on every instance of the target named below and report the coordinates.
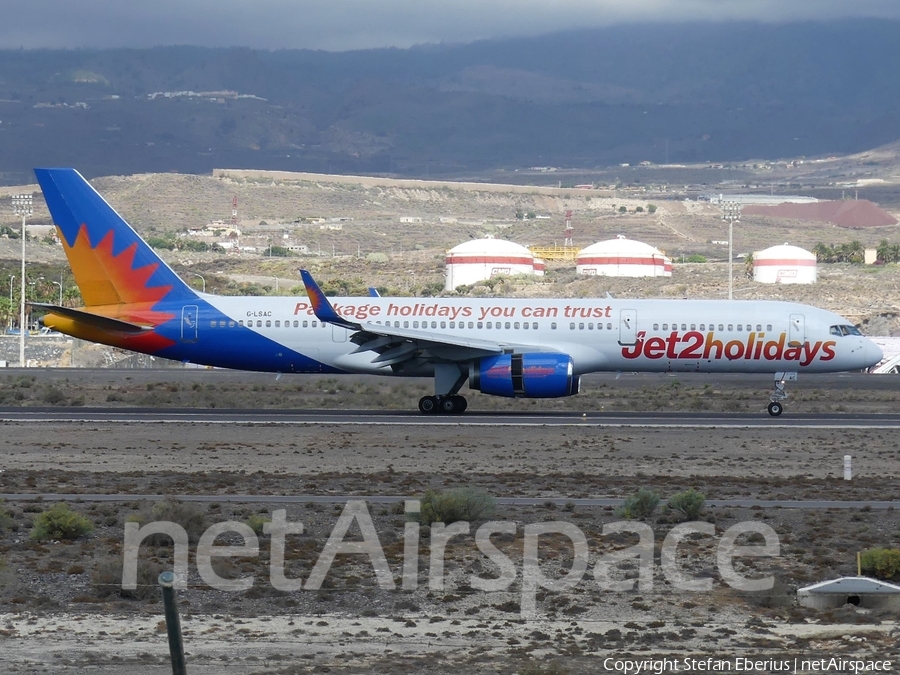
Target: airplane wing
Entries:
(394, 346)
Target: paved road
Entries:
(381, 417)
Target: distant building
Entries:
(482, 259)
(784, 264)
(858, 591)
(622, 257)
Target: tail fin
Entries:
(111, 263)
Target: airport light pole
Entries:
(22, 205)
(57, 283)
(731, 213)
(200, 276)
(12, 277)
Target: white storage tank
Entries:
(482, 259)
(622, 257)
(784, 264)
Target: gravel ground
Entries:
(62, 611)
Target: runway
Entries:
(687, 420)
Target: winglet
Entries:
(323, 309)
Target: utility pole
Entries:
(22, 205)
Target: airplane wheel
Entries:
(450, 405)
(428, 405)
(775, 408)
(463, 403)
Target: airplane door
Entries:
(628, 327)
(797, 330)
(338, 334)
(190, 320)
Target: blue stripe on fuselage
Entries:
(235, 346)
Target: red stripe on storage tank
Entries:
(783, 262)
(487, 260)
(623, 261)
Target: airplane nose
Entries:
(873, 354)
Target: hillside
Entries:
(355, 239)
(679, 93)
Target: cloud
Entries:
(358, 24)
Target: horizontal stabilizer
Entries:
(89, 319)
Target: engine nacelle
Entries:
(539, 375)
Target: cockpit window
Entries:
(844, 330)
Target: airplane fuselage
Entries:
(282, 334)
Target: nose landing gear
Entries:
(775, 406)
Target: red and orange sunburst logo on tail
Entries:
(112, 286)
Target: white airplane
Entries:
(528, 348)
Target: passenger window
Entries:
(241, 322)
(406, 324)
(553, 325)
(702, 326)
(731, 327)
(507, 325)
(480, 325)
(580, 326)
(684, 326)
(525, 325)
(769, 327)
(759, 328)
(721, 327)
(665, 326)
(590, 326)
(571, 326)
(516, 325)
(212, 324)
(305, 324)
(268, 323)
(314, 324)
(609, 326)
(489, 325)
(534, 325)
(434, 324)
(259, 323)
(656, 326)
(296, 323)
(740, 327)
(443, 324)
(415, 324)
(693, 326)
(452, 324)
(278, 323)
(472, 325)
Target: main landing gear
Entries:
(448, 380)
(775, 406)
(447, 405)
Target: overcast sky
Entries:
(358, 24)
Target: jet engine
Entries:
(538, 375)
